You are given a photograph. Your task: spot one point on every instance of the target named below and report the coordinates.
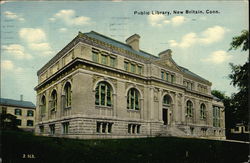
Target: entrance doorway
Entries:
(165, 116)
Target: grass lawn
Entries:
(24, 147)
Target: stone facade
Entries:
(97, 87)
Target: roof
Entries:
(127, 47)
(17, 103)
(108, 40)
(185, 70)
(118, 44)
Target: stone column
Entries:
(160, 105)
(151, 103)
(183, 109)
(59, 99)
(114, 111)
(175, 109)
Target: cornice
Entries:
(81, 63)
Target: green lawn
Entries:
(161, 149)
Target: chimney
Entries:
(166, 54)
(21, 97)
(133, 41)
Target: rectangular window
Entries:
(162, 75)
(104, 126)
(172, 78)
(112, 62)
(138, 129)
(132, 68)
(98, 127)
(167, 76)
(41, 128)
(18, 112)
(52, 129)
(19, 122)
(126, 66)
(109, 127)
(65, 126)
(104, 59)
(103, 88)
(95, 57)
(129, 128)
(139, 70)
(4, 110)
(30, 123)
(30, 113)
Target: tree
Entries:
(8, 122)
(239, 76)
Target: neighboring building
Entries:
(97, 87)
(23, 110)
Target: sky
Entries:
(33, 32)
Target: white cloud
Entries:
(9, 66)
(218, 57)
(213, 34)
(63, 29)
(178, 20)
(161, 20)
(12, 15)
(36, 40)
(40, 46)
(69, 18)
(32, 34)
(209, 36)
(17, 51)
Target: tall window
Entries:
(162, 75)
(104, 59)
(65, 127)
(189, 109)
(139, 70)
(132, 66)
(133, 99)
(95, 57)
(30, 113)
(216, 116)
(203, 111)
(126, 66)
(68, 93)
(43, 105)
(52, 129)
(18, 112)
(103, 94)
(112, 62)
(53, 100)
(167, 76)
(166, 100)
(172, 79)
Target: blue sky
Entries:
(33, 32)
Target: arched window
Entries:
(43, 105)
(203, 111)
(68, 93)
(166, 100)
(53, 101)
(189, 109)
(133, 99)
(103, 94)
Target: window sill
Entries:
(103, 107)
(68, 107)
(133, 110)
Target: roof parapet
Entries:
(133, 41)
(166, 54)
